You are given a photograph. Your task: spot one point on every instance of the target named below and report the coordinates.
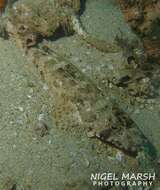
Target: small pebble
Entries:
(86, 161)
(137, 111)
(45, 87)
(49, 141)
(151, 108)
(150, 101)
(29, 96)
(119, 156)
(31, 90)
(88, 52)
(20, 108)
(111, 158)
(91, 134)
(41, 116)
(110, 85)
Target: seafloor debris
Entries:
(41, 129)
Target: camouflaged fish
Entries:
(30, 22)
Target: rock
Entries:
(143, 17)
